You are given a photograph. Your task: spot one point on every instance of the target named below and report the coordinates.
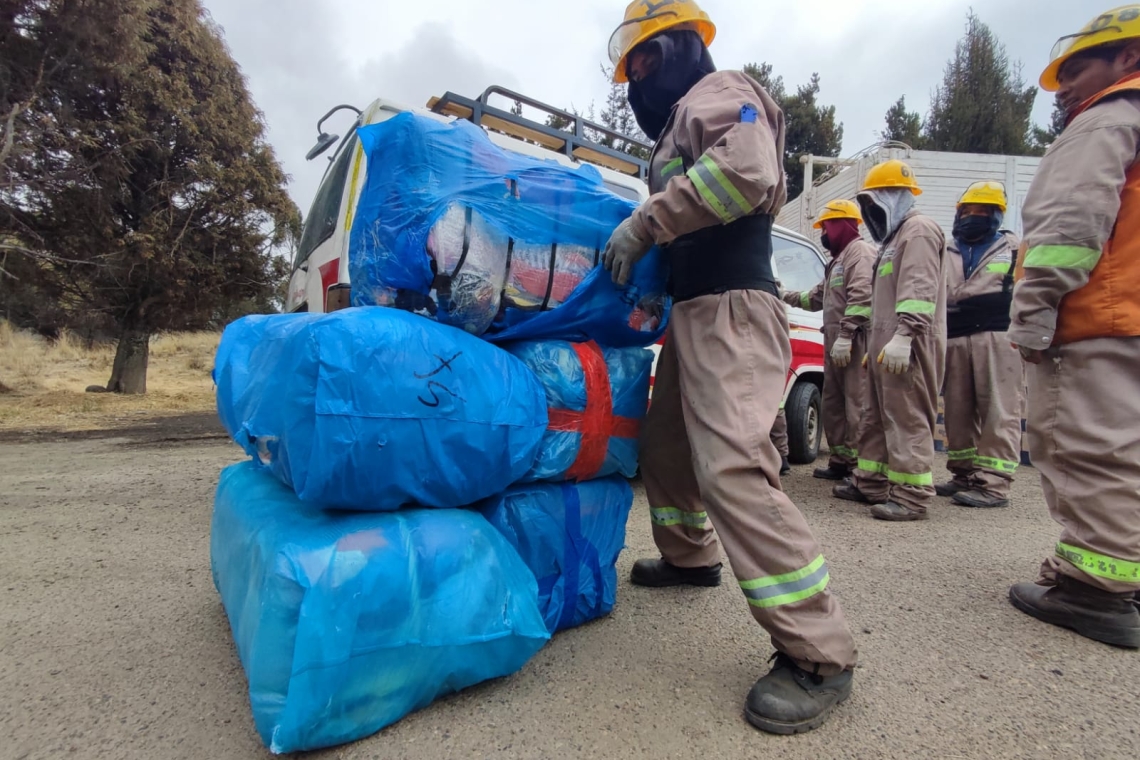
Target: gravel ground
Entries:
(114, 644)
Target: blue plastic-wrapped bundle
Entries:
(346, 623)
(570, 536)
(596, 399)
(497, 243)
(377, 408)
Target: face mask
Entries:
(825, 241)
(975, 228)
(684, 61)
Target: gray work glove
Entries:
(624, 249)
(895, 356)
(841, 352)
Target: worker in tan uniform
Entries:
(716, 179)
(906, 350)
(779, 436)
(844, 296)
(1076, 320)
(985, 380)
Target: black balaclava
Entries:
(976, 228)
(684, 61)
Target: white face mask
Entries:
(884, 209)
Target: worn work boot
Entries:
(1095, 614)
(896, 513)
(979, 500)
(950, 487)
(848, 492)
(830, 473)
(790, 700)
(785, 465)
(657, 573)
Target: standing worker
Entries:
(716, 179)
(779, 436)
(844, 295)
(906, 350)
(1076, 319)
(985, 380)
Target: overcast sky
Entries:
(302, 57)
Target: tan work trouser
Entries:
(983, 393)
(844, 389)
(896, 448)
(706, 446)
(1084, 439)
(779, 434)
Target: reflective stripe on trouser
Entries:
(731, 393)
(896, 447)
(1084, 439)
(779, 434)
(842, 403)
(983, 394)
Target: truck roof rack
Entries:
(574, 144)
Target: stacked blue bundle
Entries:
(503, 245)
(375, 408)
(346, 623)
(570, 536)
(596, 399)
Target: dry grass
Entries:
(42, 383)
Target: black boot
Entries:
(1095, 614)
(950, 487)
(790, 700)
(830, 473)
(785, 465)
(848, 492)
(657, 573)
(894, 512)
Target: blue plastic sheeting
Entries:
(596, 400)
(570, 536)
(374, 409)
(346, 623)
(500, 244)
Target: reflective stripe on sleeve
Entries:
(1064, 256)
(667, 516)
(914, 306)
(857, 311)
(718, 191)
(1001, 465)
(672, 169)
(805, 300)
(1100, 565)
(789, 588)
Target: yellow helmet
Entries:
(838, 209)
(989, 193)
(646, 18)
(893, 173)
(1116, 25)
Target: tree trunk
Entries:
(128, 374)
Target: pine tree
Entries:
(1043, 138)
(983, 105)
(618, 116)
(902, 125)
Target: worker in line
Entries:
(985, 379)
(779, 436)
(1076, 320)
(844, 296)
(716, 180)
(906, 350)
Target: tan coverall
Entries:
(896, 449)
(844, 296)
(1084, 396)
(779, 434)
(985, 380)
(706, 454)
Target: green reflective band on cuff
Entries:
(962, 455)
(1065, 256)
(843, 451)
(778, 590)
(1000, 268)
(718, 191)
(886, 269)
(672, 166)
(907, 479)
(805, 300)
(857, 311)
(1001, 465)
(866, 465)
(667, 516)
(1100, 565)
(912, 306)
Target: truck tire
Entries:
(805, 425)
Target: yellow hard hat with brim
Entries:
(989, 193)
(1117, 25)
(838, 209)
(645, 19)
(893, 173)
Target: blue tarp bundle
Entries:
(495, 242)
(596, 399)
(345, 623)
(374, 408)
(570, 536)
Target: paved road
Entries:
(113, 642)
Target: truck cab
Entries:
(320, 281)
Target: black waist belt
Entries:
(736, 256)
(985, 313)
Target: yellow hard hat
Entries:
(1116, 25)
(838, 209)
(893, 173)
(645, 19)
(989, 193)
